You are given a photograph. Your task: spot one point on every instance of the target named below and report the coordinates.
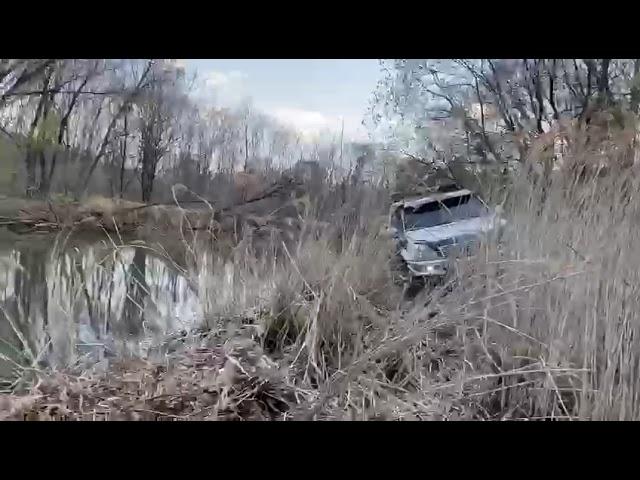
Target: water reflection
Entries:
(67, 301)
(61, 305)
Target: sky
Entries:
(310, 95)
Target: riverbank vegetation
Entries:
(310, 324)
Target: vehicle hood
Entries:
(456, 232)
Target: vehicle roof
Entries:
(433, 197)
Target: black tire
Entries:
(399, 271)
(414, 286)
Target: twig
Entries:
(18, 333)
(555, 389)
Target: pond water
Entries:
(64, 302)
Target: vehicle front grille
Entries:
(466, 249)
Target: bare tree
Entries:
(87, 71)
(128, 98)
(158, 114)
(528, 95)
(97, 125)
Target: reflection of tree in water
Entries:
(137, 291)
(78, 300)
(94, 291)
(29, 307)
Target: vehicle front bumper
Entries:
(429, 268)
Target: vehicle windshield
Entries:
(440, 213)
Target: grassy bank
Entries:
(543, 327)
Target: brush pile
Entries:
(231, 382)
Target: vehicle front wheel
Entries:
(400, 274)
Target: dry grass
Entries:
(543, 327)
(552, 318)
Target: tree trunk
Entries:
(485, 137)
(482, 122)
(148, 174)
(539, 98)
(246, 145)
(147, 178)
(43, 187)
(584, 115)
(123, 154)
(635, 88)
(603, 81)
(635, 102)
(30, 165)
(552, 93)
(30, 155)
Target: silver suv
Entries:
(430, 231)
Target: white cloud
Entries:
(222, 88)
(307, 121)
(230, 89)
(313, 124)
(216, 79)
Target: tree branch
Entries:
(112, 124)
